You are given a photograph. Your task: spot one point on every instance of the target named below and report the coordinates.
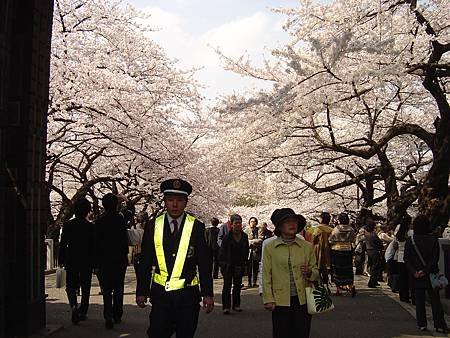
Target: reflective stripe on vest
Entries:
(174, 283)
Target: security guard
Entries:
(174, 243)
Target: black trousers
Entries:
(291, 321)
(324, 275)
(393, 275)
(403, 282)
(376, 266)
(232, 277)
(136, 263)
(360, 260)
(215, 255)
(167, 320)
(253, 269)
(436, 308)
(76, 278)
(112, 284)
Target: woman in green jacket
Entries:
(289, 265)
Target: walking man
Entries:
(76, 255)
(112, 246)
(175, 244)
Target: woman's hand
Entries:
(270, 306)
(306, 271)
(419, 274)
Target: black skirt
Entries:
(342, 267)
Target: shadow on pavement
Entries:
(371, 314)
(134, 322)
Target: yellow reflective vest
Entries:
(162, 278)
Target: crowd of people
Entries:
(176, 259)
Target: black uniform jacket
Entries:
(77, 244)
(428, 246)
(199, 255)
(111, 241)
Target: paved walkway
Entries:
(372, 313)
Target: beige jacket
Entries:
(322, 247)
(276, 281)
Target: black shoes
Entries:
(117, 320)
(75, 315)
(109, 324)
(82, 317)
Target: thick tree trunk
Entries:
(434, 196)
(397, 203)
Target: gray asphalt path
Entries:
(372, 313)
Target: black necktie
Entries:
(175, 226)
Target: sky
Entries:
(188, 29)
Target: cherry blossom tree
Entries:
(114, 113)
(358, 98)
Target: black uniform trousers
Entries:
(291, 321)
(76, 278)
(168, 318)
(232, 277)
(112, 284)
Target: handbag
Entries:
(60, 278)
(318, 298)
(391, 250)
(437, 280)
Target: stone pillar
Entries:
(25, 31)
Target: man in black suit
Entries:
(76, 255)
(175, 244)
(112, 256)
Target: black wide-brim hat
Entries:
(176, 186)
(279, 215)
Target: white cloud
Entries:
(162, 18)
(242, 35)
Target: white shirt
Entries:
(170, 219)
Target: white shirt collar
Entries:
(170, 219)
